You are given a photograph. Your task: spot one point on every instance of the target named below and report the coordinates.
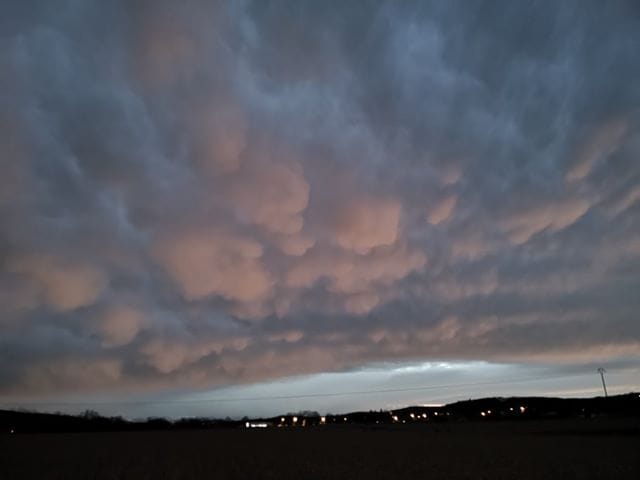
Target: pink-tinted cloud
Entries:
(64, 285)
(365, 223)
(552, 216)
(205, 262)
(442, 210)
(163, 45)
(272, 196)
(350, 273)
(600, 143)
(361, 303)
(220, 137)
(120, 324)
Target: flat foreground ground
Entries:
(605, 449)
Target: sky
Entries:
(252, 207)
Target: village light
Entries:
(522, 409)
(483, 414)
(323, 420)
(256, 425)
(295, 419)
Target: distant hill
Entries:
(484, 409)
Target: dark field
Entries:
(572, 449)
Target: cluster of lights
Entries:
(300, 421)
(418, 416)
(256, 425)
(511, 409)
(412, 415)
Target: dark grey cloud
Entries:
(204, 194)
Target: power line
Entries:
(292, 397)
(602, 371)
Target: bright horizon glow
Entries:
(373, 387)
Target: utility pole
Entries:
(604, 385)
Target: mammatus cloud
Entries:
(364, 224)
(206, 262)
(273, 197)
(602, 142)
(522, 225)
(61, 285)
(119, 325)
(196, 194)
(442, 210)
